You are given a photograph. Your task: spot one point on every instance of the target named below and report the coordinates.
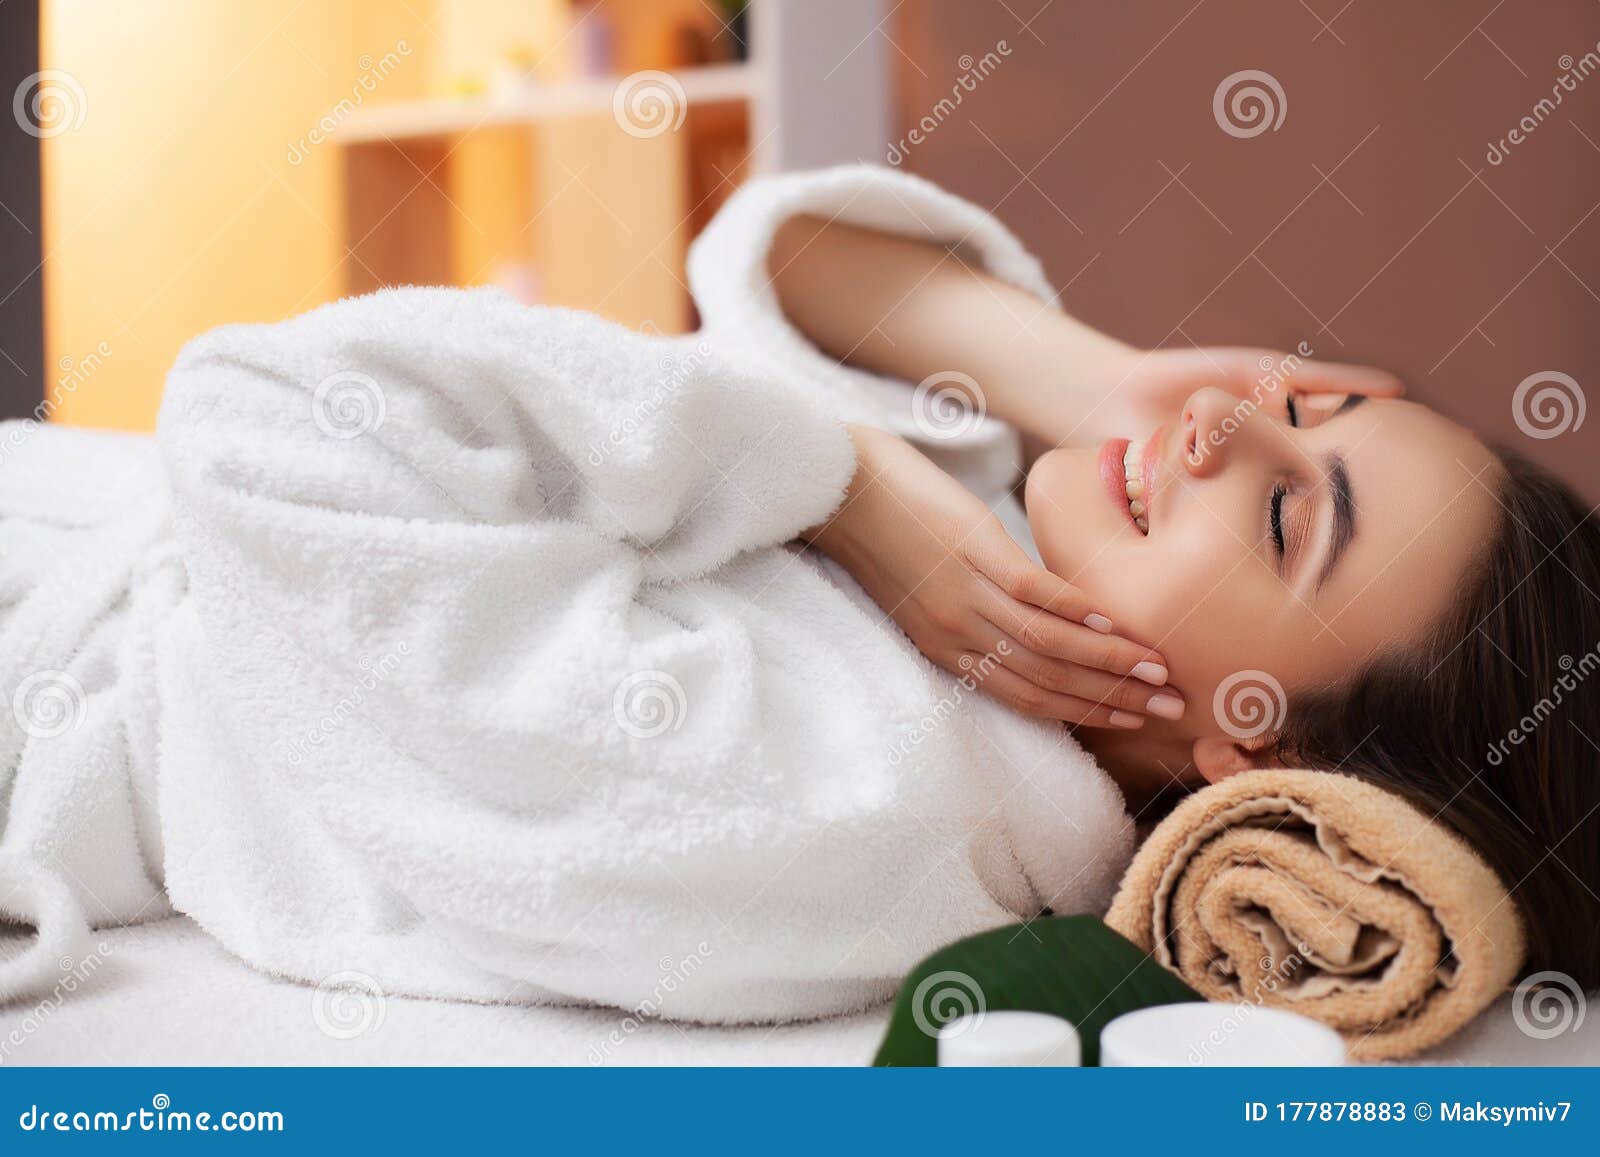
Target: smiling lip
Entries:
(1115, 478)
(1147, 467)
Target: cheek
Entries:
(1191, 593)
(1196, 603)
(1182, 588)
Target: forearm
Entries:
(849, 534)
(910, 309)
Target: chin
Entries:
(1043, 477)
(1081, 537)
(1060, 497)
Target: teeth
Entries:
(1133, 481)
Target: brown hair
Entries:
(1494, 724)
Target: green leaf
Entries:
(1072, 966)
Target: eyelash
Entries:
(1280, 491)
(1275, 515)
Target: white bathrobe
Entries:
(465, 647)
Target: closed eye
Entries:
(1338, 475)
(1275, 516)
(1280, 491)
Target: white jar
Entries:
(1009, 1039)
(1217, 1035)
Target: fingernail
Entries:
(1126, 719)
(1098, 623)
(1153, 673)
(1166, 706)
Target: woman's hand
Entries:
(942, 566)
(1131, 391)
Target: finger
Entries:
(1319, 403)
(1088, 684)
(1242, 369)
(1031, 699)
(1338, 378)
(1046, 634)
(1020, 578)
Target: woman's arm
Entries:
(908, 308)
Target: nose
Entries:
(1211, 423)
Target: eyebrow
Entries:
(1344, 512)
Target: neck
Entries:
(1145, 764)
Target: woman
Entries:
(511, 684)
(1335, 579)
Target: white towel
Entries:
(497, 674)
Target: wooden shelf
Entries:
(547, 184)
(442, 117)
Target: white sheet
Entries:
(167, 994)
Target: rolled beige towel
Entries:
(1328, 896)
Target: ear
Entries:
(1217, 758)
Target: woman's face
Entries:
(1285, 549)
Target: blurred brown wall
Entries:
(1095, 139)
